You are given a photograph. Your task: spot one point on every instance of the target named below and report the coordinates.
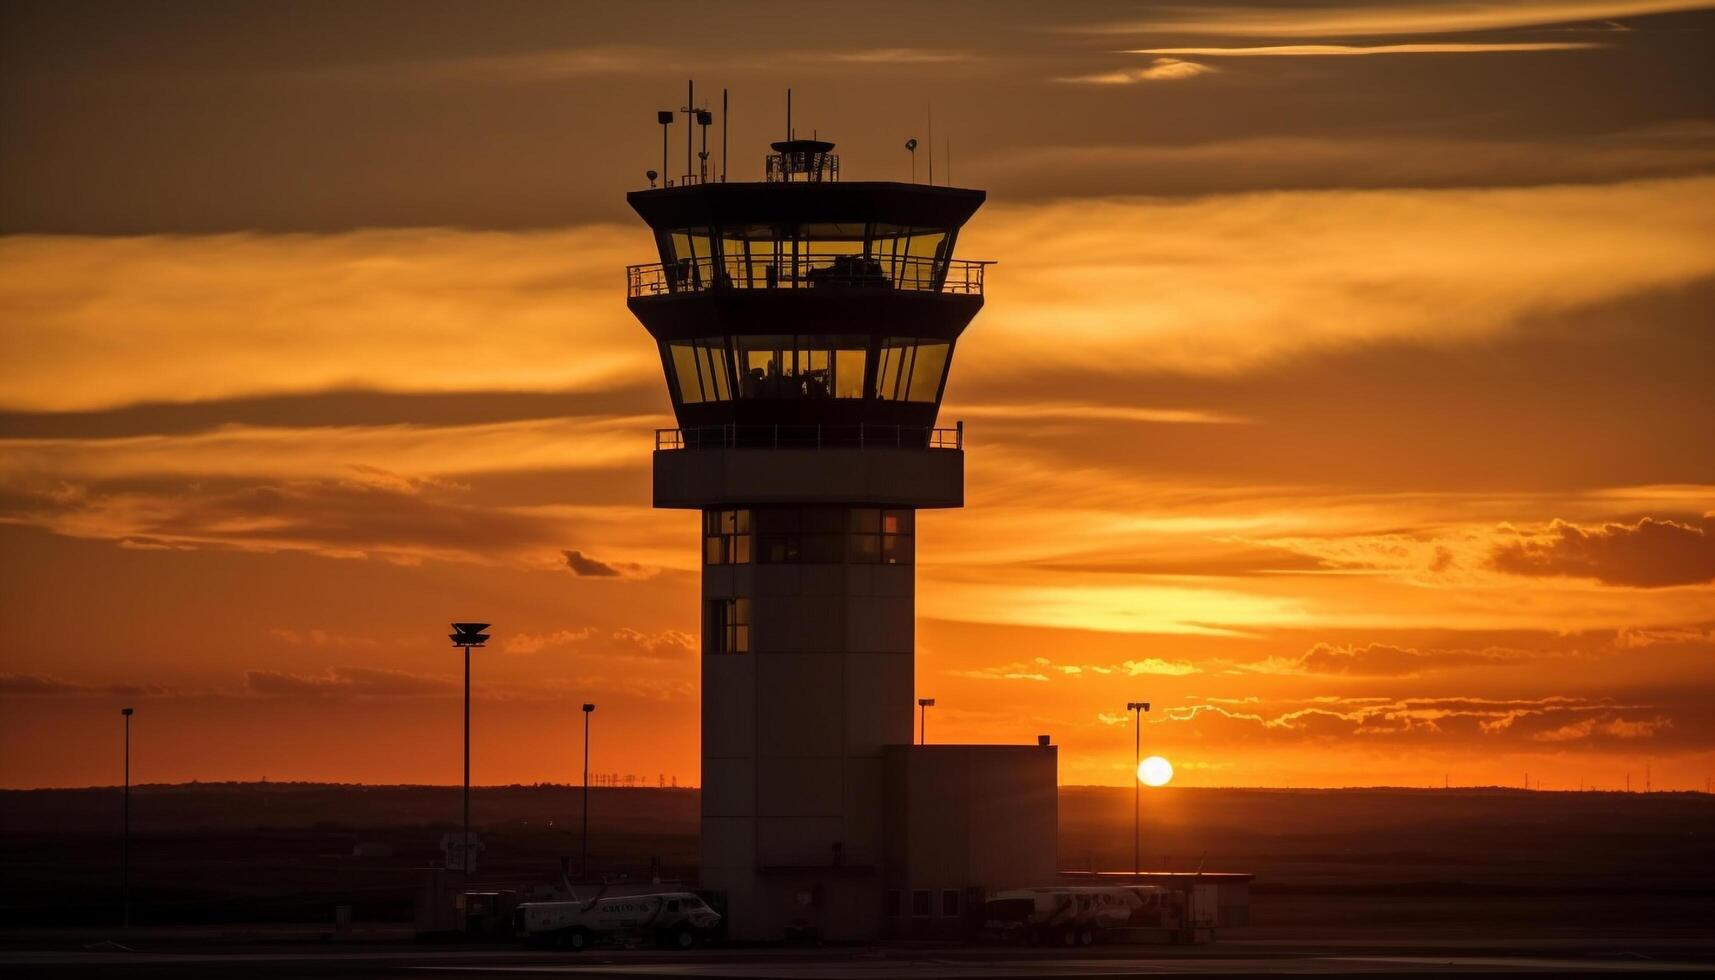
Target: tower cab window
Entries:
(700, 370)
(807, 367)
(837, 254)
(910, 370)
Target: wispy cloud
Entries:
(1243, 279)
(1102, 413)
(347, 682)
(1344, 50)
(1159, 70)
(896, 56)
(47, 685)
(1388, 17)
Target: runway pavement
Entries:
(1588, 958)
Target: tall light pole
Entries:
(125, 837)
(923, 706)
(465, 636)
(584, 866)
(1137, 708)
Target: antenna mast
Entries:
(690, 112)
(788, 113)
(931, 111)
(723, 138)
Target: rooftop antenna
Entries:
(665, 118)
(704, 119)
(723, 152)
(911, 147)
(949, 165)
(788, 113)
(931, 114)
(690, 110)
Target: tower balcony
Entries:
(812, 270)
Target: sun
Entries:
(1155, 771)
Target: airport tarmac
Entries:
(1587, 958)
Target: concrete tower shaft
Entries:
(806, 330)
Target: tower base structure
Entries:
(818, 815)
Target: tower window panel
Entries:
(848, 372)
(711, 364)
(685, 379)
(893, 368)
(726, 537)
(689, 257)
(926, 258)
(807, 366)
(927, 370)
(762, 373)
(800, 535)
(911, 369)
(726, 626)
(699, 370)
(884, 536)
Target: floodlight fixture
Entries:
(911, 148)
(665, 117)
(923, 706)
(651, 175)
(468, 634)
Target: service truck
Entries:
(1083, 914)
(678, 920)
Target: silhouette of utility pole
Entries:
(465, 636)
(1137, 708)
(125, 839)
(584, 864)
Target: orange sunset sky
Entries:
(1344, 387)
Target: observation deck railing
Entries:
(861, 436)
(810, 271)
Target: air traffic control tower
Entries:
(806, 326)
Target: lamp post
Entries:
(584, 866)
(125, 837)
(465, 636)
(1137, 708)
(923, 706)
